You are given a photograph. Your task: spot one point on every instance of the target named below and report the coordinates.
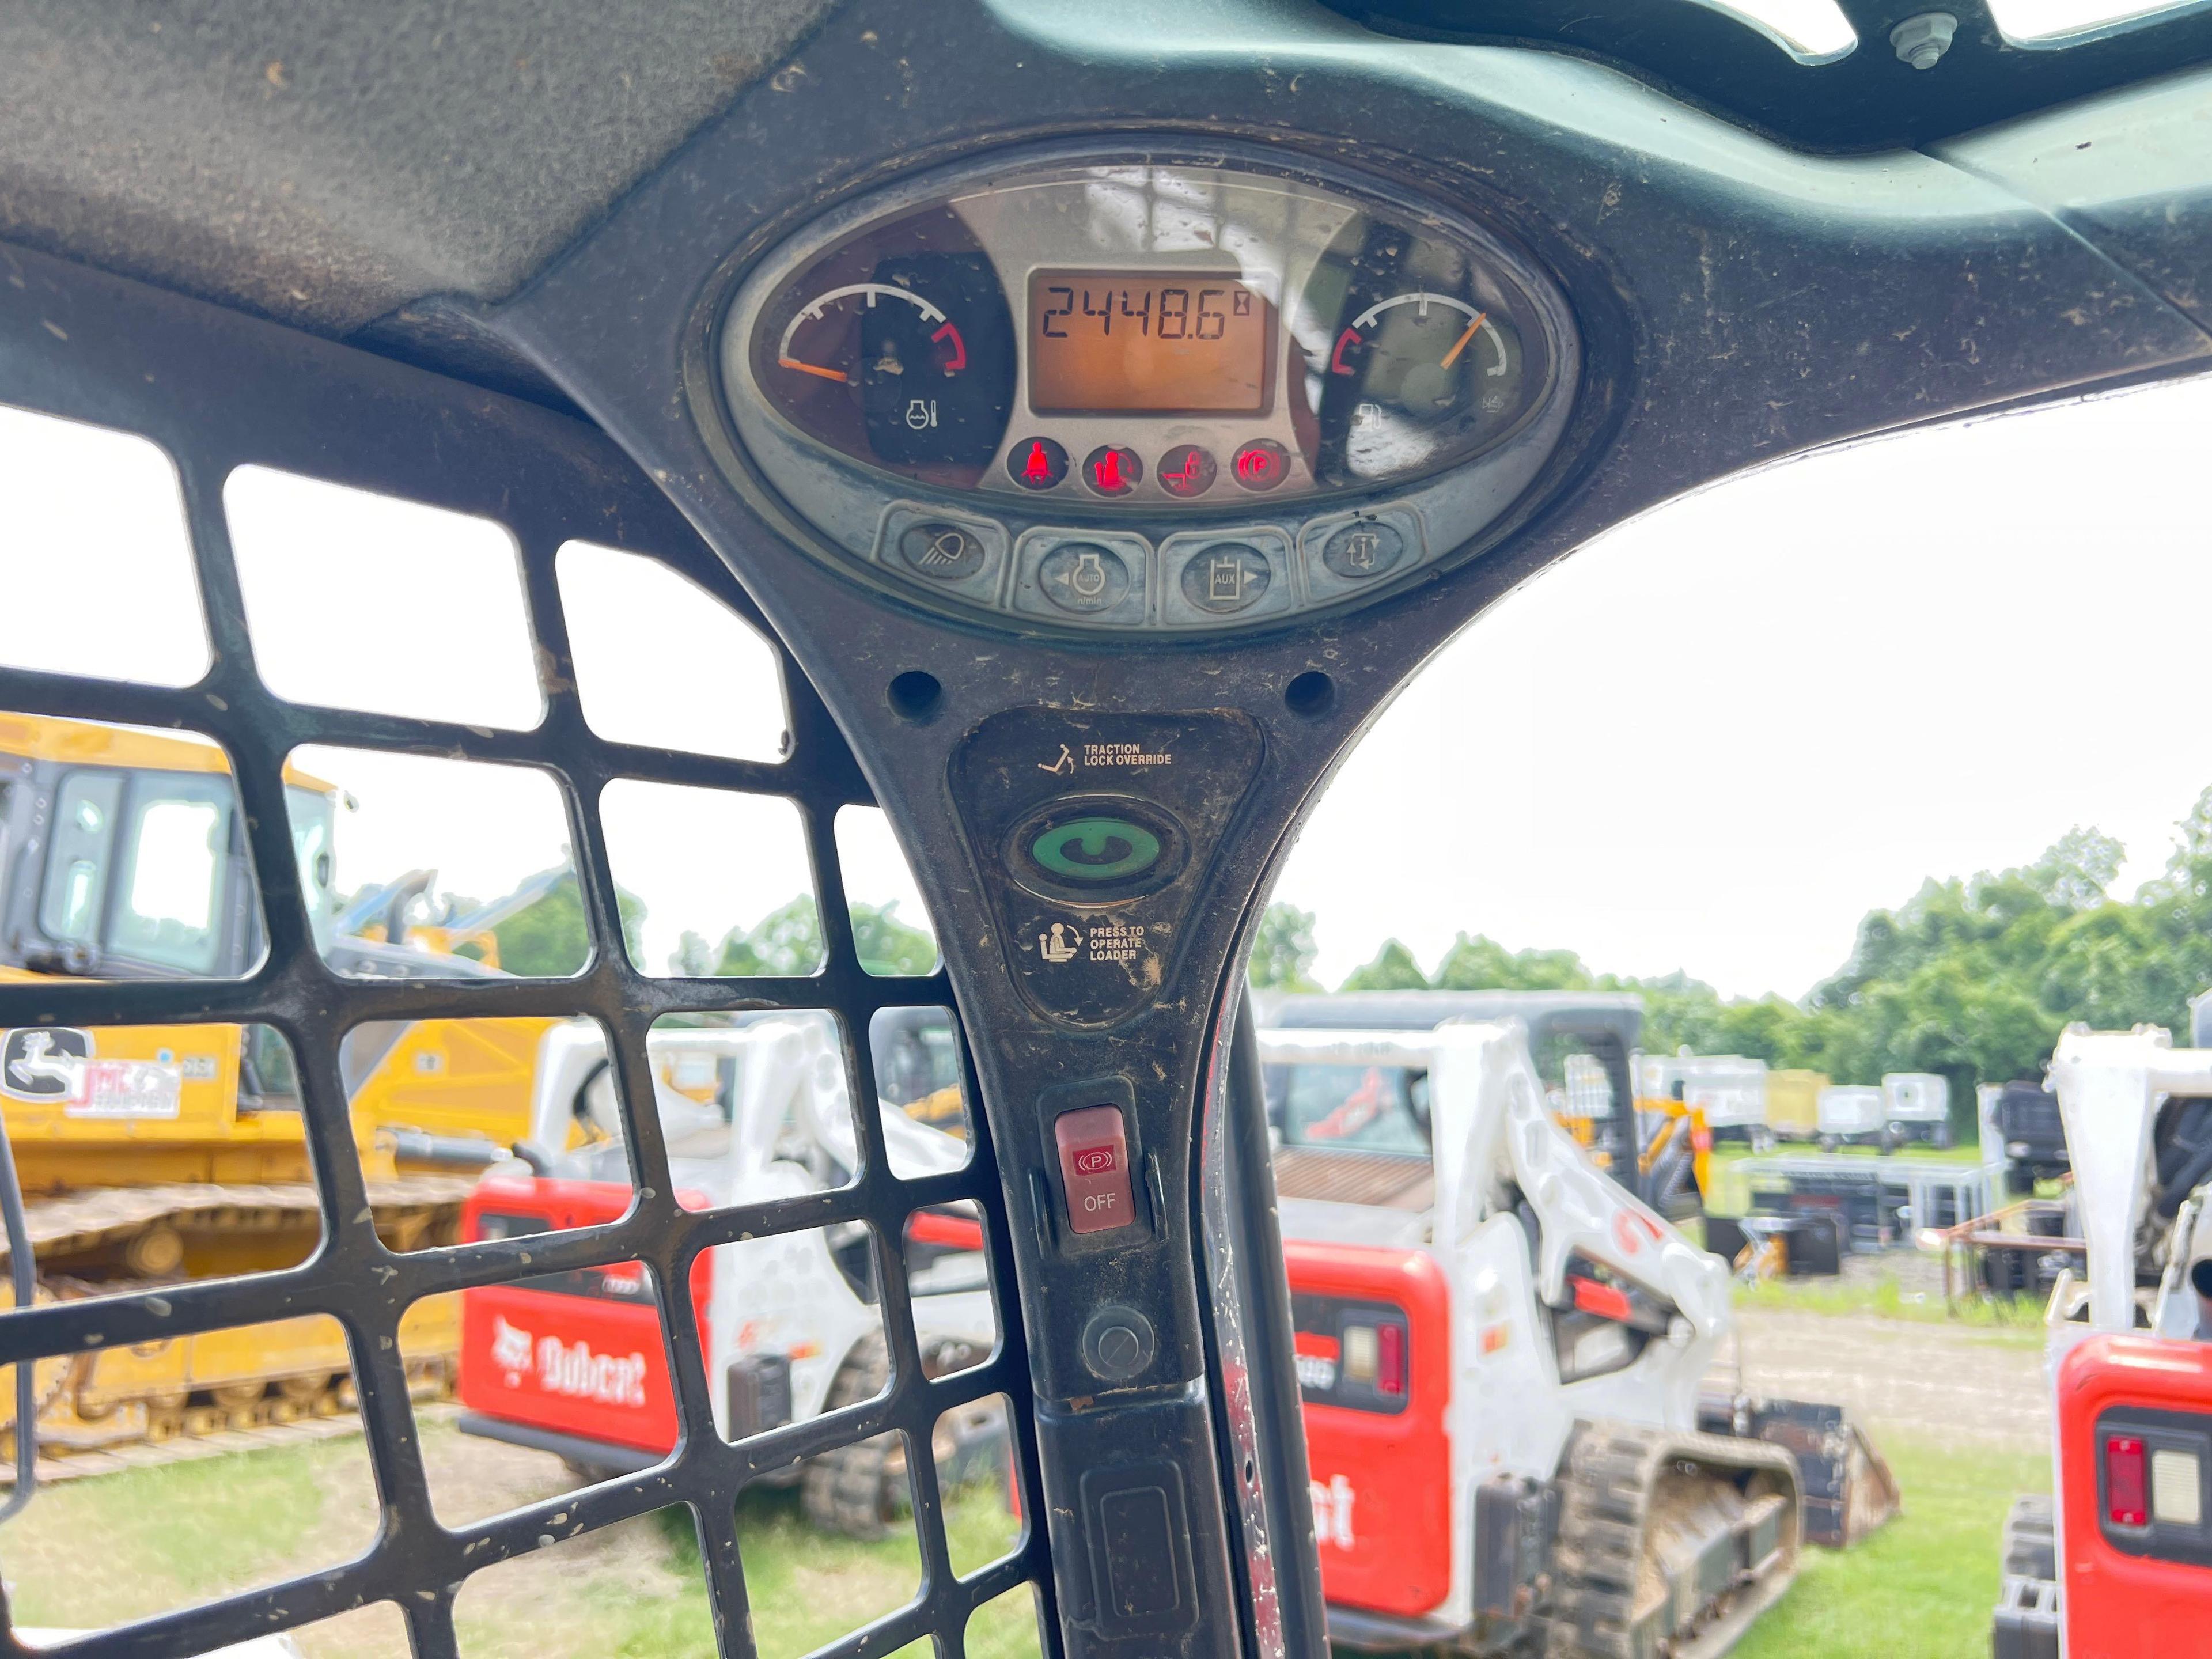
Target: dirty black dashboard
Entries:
(1108, 408)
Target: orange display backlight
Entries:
(1183, 343)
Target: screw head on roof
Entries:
(1921, 40)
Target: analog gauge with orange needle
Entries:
(912, 368)
(1422, 356)
(822, 335)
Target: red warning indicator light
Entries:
(1261, 465)
(1187, 471)
(1110, 470)
(1037, 463)
(1095, 1161)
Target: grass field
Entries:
(103, 1551)
(1922, 1586)
(97, 1552)
(1884, 1295)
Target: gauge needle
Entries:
(844, 378)
(1459, 344)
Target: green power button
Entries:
(1096, 849)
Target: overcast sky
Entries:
(1715, 737)
(1711, 741)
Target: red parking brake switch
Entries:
(1094, 1168)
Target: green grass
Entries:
(90, 1553)
(1920, 1588)
(121, 1547)
(2019, 1319)
(95, 1552)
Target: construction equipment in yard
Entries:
(1852, 1115)
(2023, 1137)
(574, 1364)
(1584, 1043)
(2114, 1562)
(1501, 1350)
(1916, 1106)
(1875, 1203)
(1793, 1102)
(1729, 1092)
(150, 1154)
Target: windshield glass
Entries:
(1374, 1109)
(313, 818)
(175, 850)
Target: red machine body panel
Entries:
(577, 1353)
(2119, 1600)
(1381, 1478)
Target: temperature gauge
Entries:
(911, 366)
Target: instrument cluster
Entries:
(1111, 393)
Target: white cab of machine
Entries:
(1491, 1136)
(2110, 1086)
(789, 1132)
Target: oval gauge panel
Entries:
(1104, 393)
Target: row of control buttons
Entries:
(1111, 470)
(1085, 578)
(1106, 576)
(1082, 576)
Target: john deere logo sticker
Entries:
(42, 1065)
(61, 1065)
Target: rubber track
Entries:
(98, 1217)
(194, 1447)
(1612, 1472)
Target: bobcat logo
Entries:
(510, 1351)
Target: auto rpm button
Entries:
(1084, 577)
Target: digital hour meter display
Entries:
(1179, 342)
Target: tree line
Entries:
(1974, 977)
(549, 937)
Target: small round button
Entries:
(1110, 470)
(1226, 577)
(944, 552)
(1096, 849)
(1362, 548)
(1118, 1343)
(1037, 463)
(1261, 464)
(1187, 471)
(1084, 577)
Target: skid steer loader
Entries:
(153, 1154)
(2114, 1561)
(1503, 1353)
(574, 1364)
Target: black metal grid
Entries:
(218, 391)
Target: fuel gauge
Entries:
(1415, 354)
(1421, 353)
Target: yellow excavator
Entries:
(150, 1154)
